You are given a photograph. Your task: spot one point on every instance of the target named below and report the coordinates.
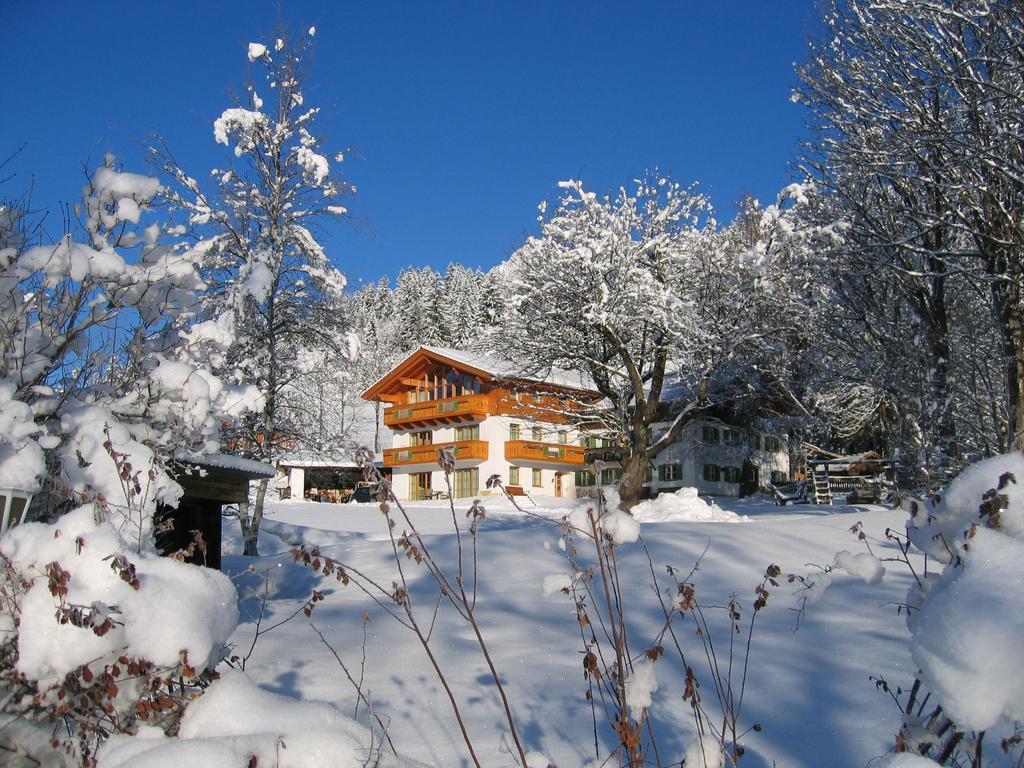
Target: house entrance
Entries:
(749, 479)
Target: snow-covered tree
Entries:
(641, 292)
(918, 106)
(457, 306)
(416, 293)
(99, 337)
(379, 324)
(322, 404)
(255, 223)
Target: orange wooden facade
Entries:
(552, 453)
(428, 390)
(427, 454)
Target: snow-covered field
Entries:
(810, 689)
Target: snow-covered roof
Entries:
(312, 460)
(501, 368)
(853, 458)
(236, 463)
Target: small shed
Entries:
(318, 477)
(209, 484)
(859, 477)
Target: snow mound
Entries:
(275, 730)
(683, 506)
(175, 607)
(966, 637)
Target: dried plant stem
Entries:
(356, 685)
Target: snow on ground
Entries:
(810, 689)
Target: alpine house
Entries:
(495, 420)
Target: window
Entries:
(778, 478)
(732, 436)
(648, 473)
(770, 443)
(421, 438)
(709, 434)
(538, 434)
(513, 431)
(669, 472)
(712, 473)
(731, 474)
(468, 433)
(563, 436)
(513, 475)
(610, 476)
(585, 478)
(419, 486)
(537, 478)
(467, 482)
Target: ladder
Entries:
(822, 488)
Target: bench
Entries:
(786, 494)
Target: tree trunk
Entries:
(251, 532)
(634, 468)
(1015, 374)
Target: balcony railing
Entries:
(472, 450)
(550, 453)
(435, 412)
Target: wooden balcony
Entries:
(433, 413)
(547, 453)
(465, 450)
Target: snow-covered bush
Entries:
(100, 638)
(966, 623)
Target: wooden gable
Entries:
(427, 371)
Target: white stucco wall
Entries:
(297, 482)
(495, 431)
(693, 453)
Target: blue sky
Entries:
(463, 116)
